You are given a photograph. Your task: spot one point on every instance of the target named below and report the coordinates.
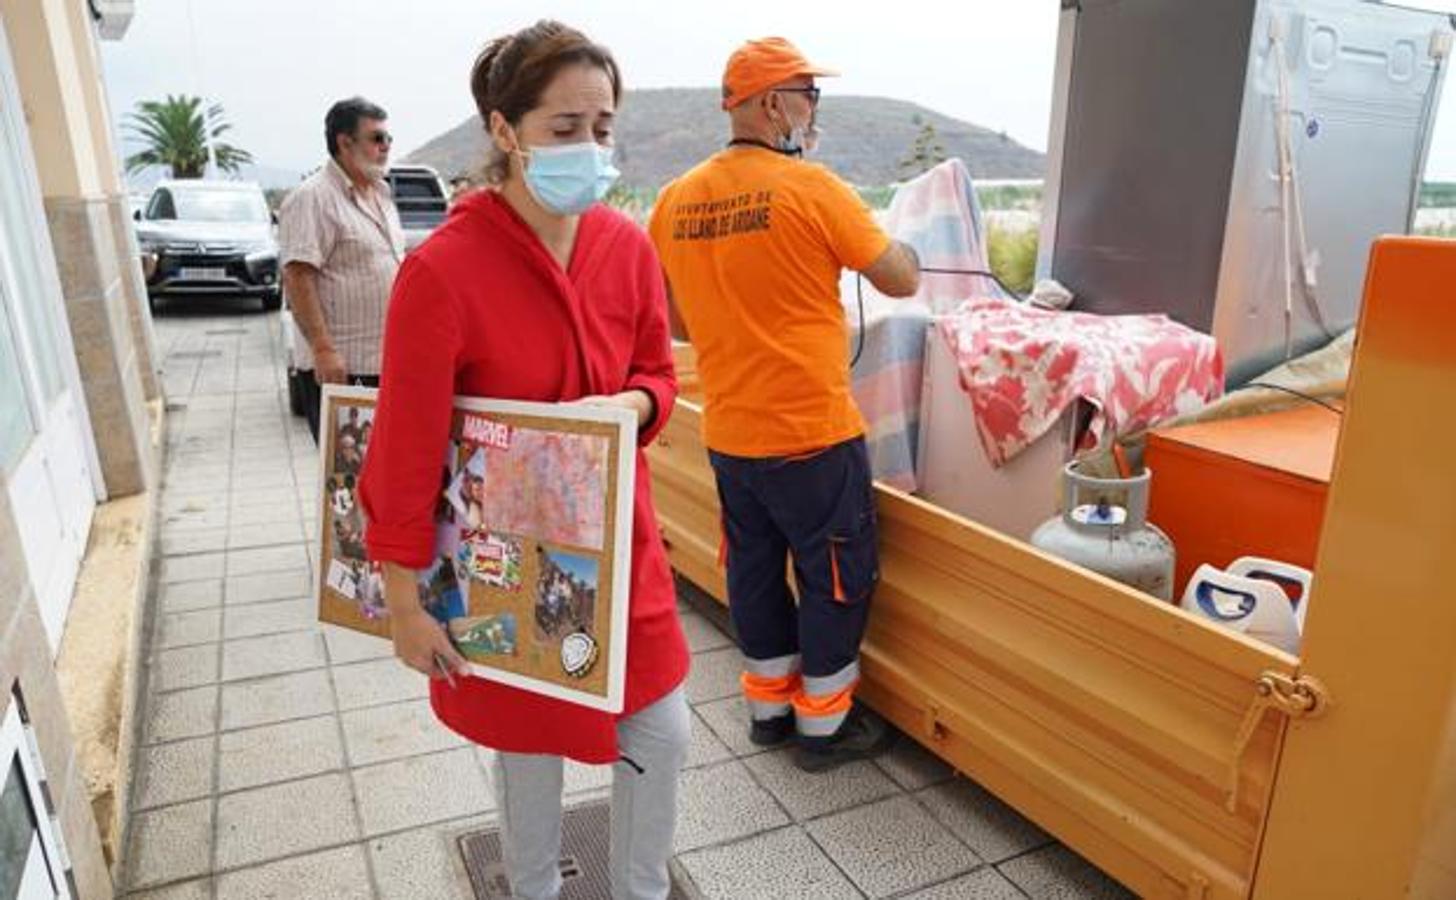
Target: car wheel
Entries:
(272, 301)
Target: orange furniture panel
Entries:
(1253, 486)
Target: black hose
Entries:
(859, 296)
(1300, 394)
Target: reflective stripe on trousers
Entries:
(820, 708)
(769, 685)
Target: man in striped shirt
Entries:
(341, 243)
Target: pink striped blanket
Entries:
(937, 214)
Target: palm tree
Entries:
(175, 131)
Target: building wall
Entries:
(26, 667)
(134, 294)
(113, 188)
(92, 267)
(52, 78)
(54, 50)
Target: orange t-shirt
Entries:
(753, 243)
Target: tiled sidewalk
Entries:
(282, 760)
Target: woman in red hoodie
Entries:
(536, 291)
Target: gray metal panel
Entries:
(1056, 137)
(1362, 86)
(1148, 154)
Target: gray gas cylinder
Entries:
(1116, 541)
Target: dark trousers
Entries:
(819, 508)
(313, 395)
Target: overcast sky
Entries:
(276, 65)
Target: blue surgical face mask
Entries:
(568, 178)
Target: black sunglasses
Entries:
(382, 138)
(811, 92)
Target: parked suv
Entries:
(208, 237)
(420, 197)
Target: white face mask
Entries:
(811, 138)
(800, 139)
(793, 142)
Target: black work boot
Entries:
(771, 732)
(863, 734)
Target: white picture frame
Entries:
(621, 467)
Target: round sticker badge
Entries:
(578, 653)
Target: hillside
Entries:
(663, 132)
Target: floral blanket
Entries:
(1023, 366)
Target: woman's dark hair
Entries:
(343, 118)
(513, 71)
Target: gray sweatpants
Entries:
(644, 807)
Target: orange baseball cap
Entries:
(759, 65)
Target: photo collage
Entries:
(522, 539)
(530, 525)
(349, 572)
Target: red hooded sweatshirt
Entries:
(482, 309)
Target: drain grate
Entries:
(193, 354)
(585, 846)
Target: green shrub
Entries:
(1438, 194)
(633, 202)
(1010, 196)
(1013, 256)
(878, 197)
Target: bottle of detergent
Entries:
(1262, 598)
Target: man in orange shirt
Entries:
(753, 241)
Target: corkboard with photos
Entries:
(533, 540)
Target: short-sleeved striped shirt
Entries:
(354, 239)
